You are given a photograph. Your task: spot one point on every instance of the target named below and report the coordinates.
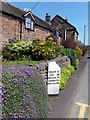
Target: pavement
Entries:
(73, 100)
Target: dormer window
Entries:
(29, 24)
(29, 20)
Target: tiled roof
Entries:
(74, 28)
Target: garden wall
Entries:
(63, 62)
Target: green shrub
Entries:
(17, 50)
(45, 50)
(35, 42)
(65, 76)
(68, 51)
(24, 93)
(72, 54)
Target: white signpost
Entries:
(53, 78)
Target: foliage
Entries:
(35, 42)
(23, 94)
(45, 49)
(69, 44)
(18, 50)
(38, 49)
(79, 50)
(68, 52)
(84, 49)
(77, 61)
(22, 63)
(72, 54)
(65, 76)
(50, 39)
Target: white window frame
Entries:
(65, 34)
(75, 36)
(57, 34)
(29, 23)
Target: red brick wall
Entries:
(37, 33)
(0, 31)
(63, 24)
(11, 29)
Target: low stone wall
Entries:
(63, 62)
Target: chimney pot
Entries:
(46, 13)
(48, 18)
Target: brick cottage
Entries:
(69, 32)
(22, 25)
(19, 24)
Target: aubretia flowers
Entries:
(0, 67)
(28, 70)
(24, 94)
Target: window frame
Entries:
(28, 23)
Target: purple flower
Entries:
(28, 70)
(1, 99)
(15, 116)
(0, 76)
(0, 67)
(1, 92)
(1, 86)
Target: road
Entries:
(73, 101)
(80, 108)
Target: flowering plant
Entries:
(79, 50)
(24, 93)
(65, 76)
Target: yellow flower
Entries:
(50, 38)
(79, 50)
(77, 61)
(42, 42)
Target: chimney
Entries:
(48, 18)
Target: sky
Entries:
(76, 13)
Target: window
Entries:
(32, 25)
(65, 34)
(75, 36)
(29, 23)
(57, 34)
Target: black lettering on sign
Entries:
(53, 83)
(58, 77)
(51, 74)
(51, 77)
(52, 71)
(58, 74)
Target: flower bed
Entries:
(65, 76)
(40, 50)
(24, 93)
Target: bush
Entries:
(79, 50)
(68, 52)
(72, 54)
(45, 50)
(24, 93)
(69, 44)
(77, 62)
(84, 49)
(65, 76)
(17, 50)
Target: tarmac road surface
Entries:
(73, 101)
(80, 108)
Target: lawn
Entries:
(22, 63)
